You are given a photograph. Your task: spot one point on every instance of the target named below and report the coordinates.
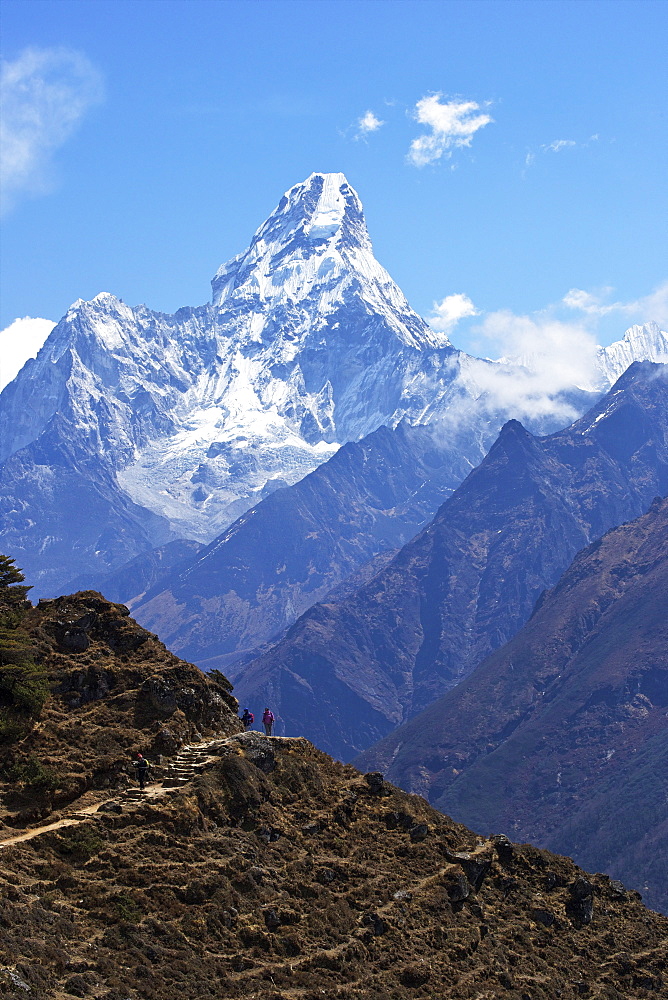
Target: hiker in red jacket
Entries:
(268, 721)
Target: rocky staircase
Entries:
(190, 760)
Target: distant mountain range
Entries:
(348, 672)
(561, 736)
(132, 429)
(289, 551)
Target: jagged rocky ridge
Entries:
(561, 736)
(115, 689)
(133, 428)
(348, 672)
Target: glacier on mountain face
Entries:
(177, 424)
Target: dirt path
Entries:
(188, 762)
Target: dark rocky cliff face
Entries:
(277, 872)
(562, 735)
(348, 672)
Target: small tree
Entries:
(12, 589)
(23, 683)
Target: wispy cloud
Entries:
(541, 360)
(542, 356)
(591, 303)
(447, 313)
(453, 125)
(20, 341)
(45, 94)
(596, 304)
(367, 123)
(558, 145)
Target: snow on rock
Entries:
(194, 417)
(640, 343)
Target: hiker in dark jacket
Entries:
(268, 721)
(248, 719)
(141, 770)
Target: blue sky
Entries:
(167, 131)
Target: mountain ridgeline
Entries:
(350, 671)
(561, 735)
(133, 429)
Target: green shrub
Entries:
(127, 909)
(81, 844)
(34, 775)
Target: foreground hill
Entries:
(257, 866)
(562, 736)
(349, 671)
(280, 873)
(112, 689)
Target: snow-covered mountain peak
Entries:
(316, 235)
(646, 342)
(323, 209)
(311, 258)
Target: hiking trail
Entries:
(189, 761)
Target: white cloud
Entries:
(45, 93)
(368, 123)
(540, 361)
(19, 341)
(542, 358)
(649, 307)
(447, 313)
(558, 145)
(590, 303)
(453, 124)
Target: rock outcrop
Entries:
(115, 690)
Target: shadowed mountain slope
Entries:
(348, 672)
(562, 735)
(289, 551)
